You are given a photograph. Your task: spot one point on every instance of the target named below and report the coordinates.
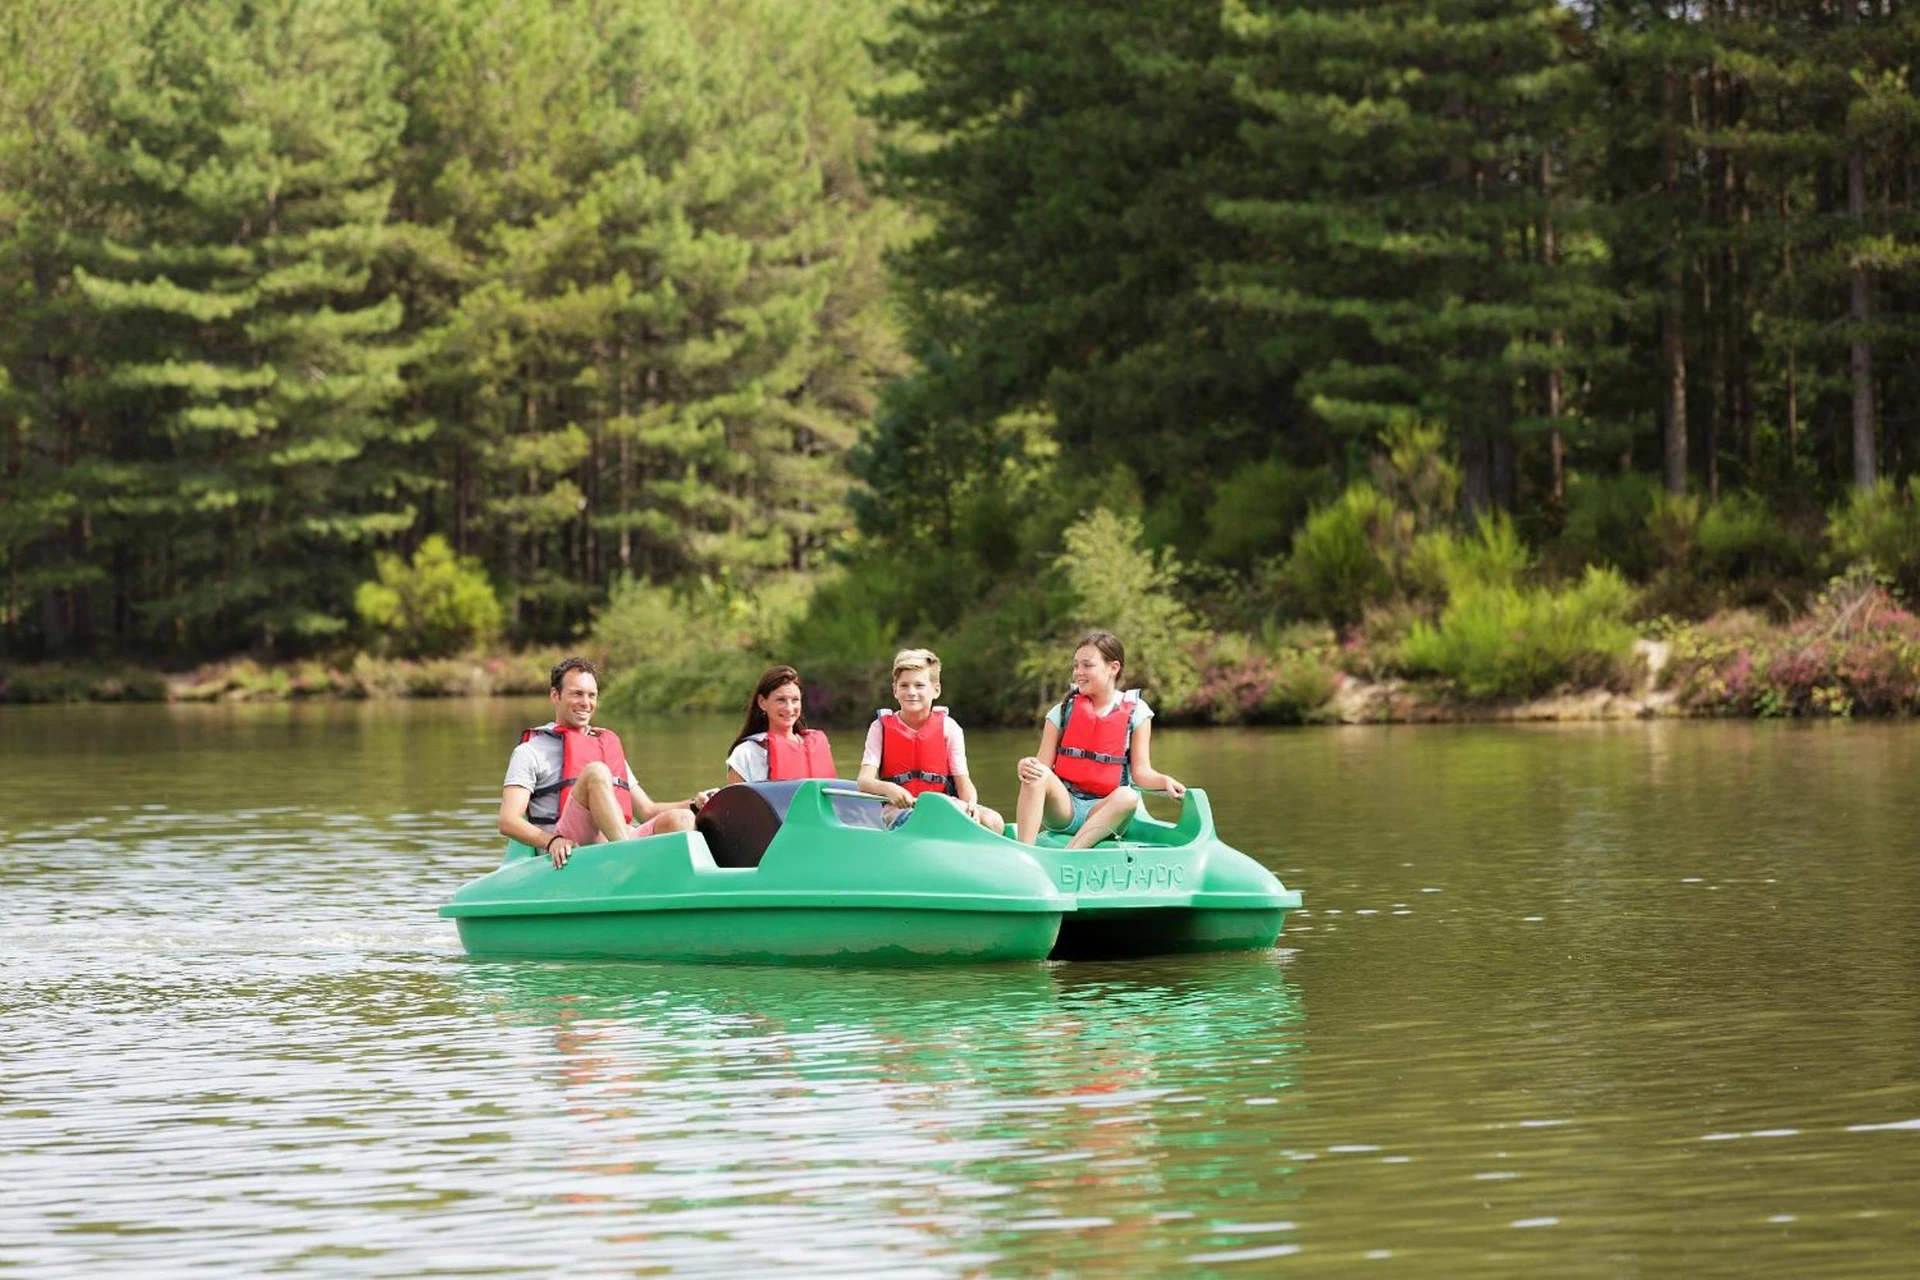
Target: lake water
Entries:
(1593, 1000)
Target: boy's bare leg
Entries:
(1113, 810)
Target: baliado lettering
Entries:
(1121, 879)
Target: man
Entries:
(569, 784)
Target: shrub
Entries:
(1376, 649)
(1856, 649)
(1503, 641)
(1673, 531)
(697, 646)
(1303, 683)
(437, 605)
(1740, 537)
(1234, 677)
(1343, 556)
(1117, 585)
(1492, 555)
(1416, 474)
(1606, 523)
(1255, 511)
(1247, 680)
(982, 657)
(843, 647)
(60, 682)
(1880, 527)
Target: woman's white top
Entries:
(749, 759)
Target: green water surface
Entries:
(1594, 1000)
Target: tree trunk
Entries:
(1476, 487)
(1861, 357)
(1673, 341)
(1556, 343)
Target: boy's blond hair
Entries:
(917, 660)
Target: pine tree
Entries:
(1396, 243)
(244, 367)
(56, 561)
(670, 318)
(1067, 154)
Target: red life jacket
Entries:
(809, 758)
(1092, 755)
(577, 751)
(916, 759)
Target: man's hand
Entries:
(558, 848)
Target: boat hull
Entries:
(1130, 933)
(863, 936)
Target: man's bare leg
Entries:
(595, 790)
(672, 820)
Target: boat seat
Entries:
(741, 820)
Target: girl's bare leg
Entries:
(1038, 798)
(1113, 809)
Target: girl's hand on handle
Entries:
(1174, 787)
(901, 798)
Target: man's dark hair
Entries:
(565, 665)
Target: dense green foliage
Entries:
(583, 289)
(1643, 277)
(753, 331)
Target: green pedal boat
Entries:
(809, 873)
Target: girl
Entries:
(1093, 753)
(775, 743)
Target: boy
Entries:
(919, 748)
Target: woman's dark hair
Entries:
(756, 721)
(558, 675)
(1109, 646)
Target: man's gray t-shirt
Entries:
(536, 763)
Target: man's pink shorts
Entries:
(576, 824)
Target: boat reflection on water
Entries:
(916, 1116)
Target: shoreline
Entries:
(1355, 701)
(1693, 676)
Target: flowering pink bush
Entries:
(1856, 650)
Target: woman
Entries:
(775, 744)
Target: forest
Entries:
(1466, 341)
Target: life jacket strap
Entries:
(917, 775)
(1098, 757)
